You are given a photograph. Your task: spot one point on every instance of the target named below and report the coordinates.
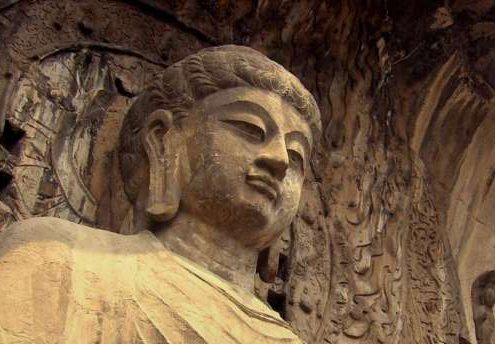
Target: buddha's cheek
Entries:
(218, 193)
(290, 196)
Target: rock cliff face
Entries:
(394, 241)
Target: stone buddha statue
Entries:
(213, 157)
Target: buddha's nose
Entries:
(274, 158)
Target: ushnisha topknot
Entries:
(201, 74)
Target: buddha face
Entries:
(247, 153)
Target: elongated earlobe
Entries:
(163, 156)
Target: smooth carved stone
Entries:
(213, 157)
(66, 283)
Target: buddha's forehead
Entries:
(258, 101)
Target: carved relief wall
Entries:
(384, 245)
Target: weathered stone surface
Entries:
(137, 292)
(211, 156)
(395, 228)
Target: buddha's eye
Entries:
(296, 159)
(249, 130)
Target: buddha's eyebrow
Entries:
(250, 107)
(299, 136)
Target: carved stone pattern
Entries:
(367, 259)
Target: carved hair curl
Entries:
(198, 76)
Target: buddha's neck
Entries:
(210, 248)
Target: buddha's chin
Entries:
(249, 220)
(255, 227)
(240, 211)
(253, 216)
(259, 239)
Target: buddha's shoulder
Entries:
(62, 234)
(42, 229)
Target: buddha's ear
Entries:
(161, 146)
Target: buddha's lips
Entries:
(264, 184)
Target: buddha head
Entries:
(224, 136)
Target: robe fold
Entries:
(66, 283)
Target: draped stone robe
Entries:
(65, 283)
